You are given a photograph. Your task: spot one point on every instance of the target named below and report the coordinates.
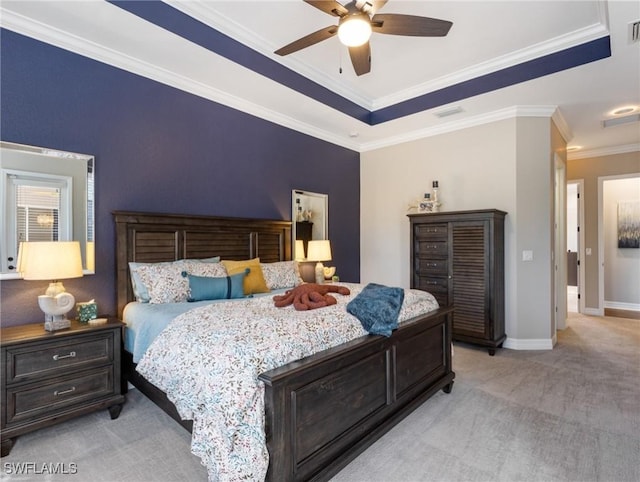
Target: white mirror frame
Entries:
(318, 205)
(42, 163)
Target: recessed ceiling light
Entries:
(624, 110)
(573, 148)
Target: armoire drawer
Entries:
(432, 231)
(432, 266)
(428, 248)
(433, 285)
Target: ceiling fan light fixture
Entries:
(354, 29)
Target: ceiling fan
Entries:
(358, 19)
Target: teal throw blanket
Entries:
(377, 307)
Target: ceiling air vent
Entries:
(616, 121)
(634, 31)
(448, 112)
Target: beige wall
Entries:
(534, 229)
(589, 170)
(507, 165)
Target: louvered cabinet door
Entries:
(469, 279)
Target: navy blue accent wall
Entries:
(159, 149)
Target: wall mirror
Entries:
(45, 195)
(310, 215)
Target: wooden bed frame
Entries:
(321, 411)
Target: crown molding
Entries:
(498, 115)
(605, 151)
(561, 124)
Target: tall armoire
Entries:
(459, 258)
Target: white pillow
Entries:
(282, 274)
(165, 283)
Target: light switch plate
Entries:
(527, 255)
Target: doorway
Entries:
(619, 267)
(574, 189)
(559, 247)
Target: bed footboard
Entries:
(324, 410)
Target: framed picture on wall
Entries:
(629, 224)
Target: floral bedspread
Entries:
(208, 361)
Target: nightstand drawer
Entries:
(32, 362)
(28, 402)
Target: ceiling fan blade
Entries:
(361, 58)
(308, 40)
(329, 6)
(412, 25)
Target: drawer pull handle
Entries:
(62, 392)
(60, 357)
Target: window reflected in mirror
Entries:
(46, 195)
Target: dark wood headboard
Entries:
(152, 238)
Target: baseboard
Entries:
(593, 312)
(617, 305)
(632, 314)
(529, 344)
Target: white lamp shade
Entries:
(299, 255)
(50, 260)
(319, 250)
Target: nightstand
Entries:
(50, 377)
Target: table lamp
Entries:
(52, 260)
(319, 250)
(299, 250)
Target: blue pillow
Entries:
(214, 259)
(209, 288)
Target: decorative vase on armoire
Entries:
(459, 258)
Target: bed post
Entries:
(277, 430)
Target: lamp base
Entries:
(319, 271)
(56, 322)
(55, 310)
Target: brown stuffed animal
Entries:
(309, 296)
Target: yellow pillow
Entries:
(254, 282)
